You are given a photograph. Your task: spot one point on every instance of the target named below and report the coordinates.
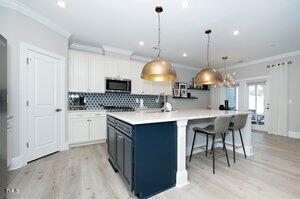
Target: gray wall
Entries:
(17, 28)
(258, 70)
(203, 101)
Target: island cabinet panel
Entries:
(144, 155)
(155, 158)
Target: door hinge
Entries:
(27, 103)
(27, 145)
(27, 60)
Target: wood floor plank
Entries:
(84, 172)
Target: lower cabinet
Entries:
(86, 127)
(145, 155)
(120, 150)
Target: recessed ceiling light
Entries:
(184, 4)
(184, 54)
(61, 3)
(236, 32)
(141, 43)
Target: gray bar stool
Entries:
(220, 126)
(238, 123)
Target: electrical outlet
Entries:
(137, 100)
(157, 101)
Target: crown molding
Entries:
(82, 47)
(20, 7)
(264, 60)
(108, 50)
(146, 59)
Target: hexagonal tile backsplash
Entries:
(96, 100)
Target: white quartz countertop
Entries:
(154, 116)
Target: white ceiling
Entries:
(267, 27)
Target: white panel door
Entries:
(98, 128)
(79, 130)
(97, 73)
(78, 70)
(44, 105)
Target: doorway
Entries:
(258, 105)
(44, 107)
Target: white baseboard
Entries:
(294, 134)
(87, 143)
(16, 163)
(65, 146)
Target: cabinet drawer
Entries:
(124, 128)
(87, 114)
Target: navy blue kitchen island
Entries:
(145, 155)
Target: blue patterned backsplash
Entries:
(96, 100)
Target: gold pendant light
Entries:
(208, 75)
(158, 69)
(229, 79)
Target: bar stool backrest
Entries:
(240, 121)
(221, 124)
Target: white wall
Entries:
(16, 28)
(258, 70)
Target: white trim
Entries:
(294, 134)
(86, 48)
(116, 51)
(87, 143)
(146, 59)
(264, 60)
(23, 95)
(16, 162)
(20, 7)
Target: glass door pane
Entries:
(257, 105)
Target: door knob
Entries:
(58, 110)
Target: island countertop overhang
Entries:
(148, 117)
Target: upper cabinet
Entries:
(78, 71)
(87, 73)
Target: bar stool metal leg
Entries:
(206, 145)
(243, 144)
(192, 146)
(233, 146)
(223, 140)
(213, 152)
(225, 151)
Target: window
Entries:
(232, 96)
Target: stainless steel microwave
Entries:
(117, 85)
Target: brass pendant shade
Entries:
(158, 69)
(208, 75)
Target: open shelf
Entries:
(185, 97)
(199, 89)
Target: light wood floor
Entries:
(84, 172)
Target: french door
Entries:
(258, 105)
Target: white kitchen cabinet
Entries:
(135, 77)
(86, 127)
(86, 72)
(111, 67)
(124, 69)
(78, 130)
(98, 128)
(96, 74)
(78, 71)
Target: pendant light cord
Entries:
(158, 43)
(208, 41)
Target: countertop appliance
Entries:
(117, 85)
